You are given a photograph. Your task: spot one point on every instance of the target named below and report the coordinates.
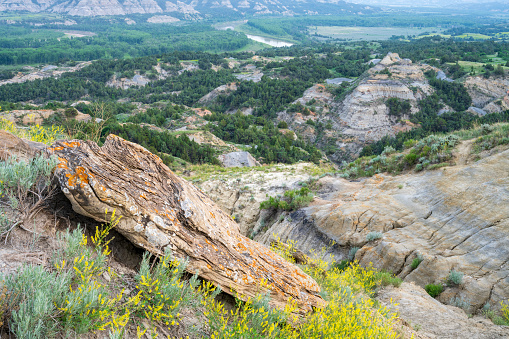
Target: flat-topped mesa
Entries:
(161, 212)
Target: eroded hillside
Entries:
(453, 218)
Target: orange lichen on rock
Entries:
(80, 175)
(71, 144)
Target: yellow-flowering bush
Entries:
(46, 135)
(251, 319)
(89, 305)
(505, 311)
(162, 291)
(350, 312)
(73, 299)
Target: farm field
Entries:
(474, 36)
(368, 33)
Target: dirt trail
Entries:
(462, 152)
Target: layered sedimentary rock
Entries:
(433, 320)
(491, 95)
(364, 115)
(456, 218)
(162, 212)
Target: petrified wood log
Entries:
(161, 211)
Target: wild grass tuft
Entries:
(387, 278)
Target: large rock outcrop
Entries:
(455, 218)
(491, 95)
(11, 145)
(189, 9)
(433, 320)
(362, 114)
(162, 212)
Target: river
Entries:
(269, 41)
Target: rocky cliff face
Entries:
(455, 218)
(187, 9)
(362, 115)
(488, 95)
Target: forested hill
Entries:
(277, 103)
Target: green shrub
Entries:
(388, 150)
(409, 143)
(455, 277)
(410, 158)
(434, 290)
(372, 236)
(19, 179)
(282, 124)
(416, 262)
(292, 200)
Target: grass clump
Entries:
(454, 278)
(427, 153)
(387, 278)
(434, 290)
(492, 136)
(291, 200)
